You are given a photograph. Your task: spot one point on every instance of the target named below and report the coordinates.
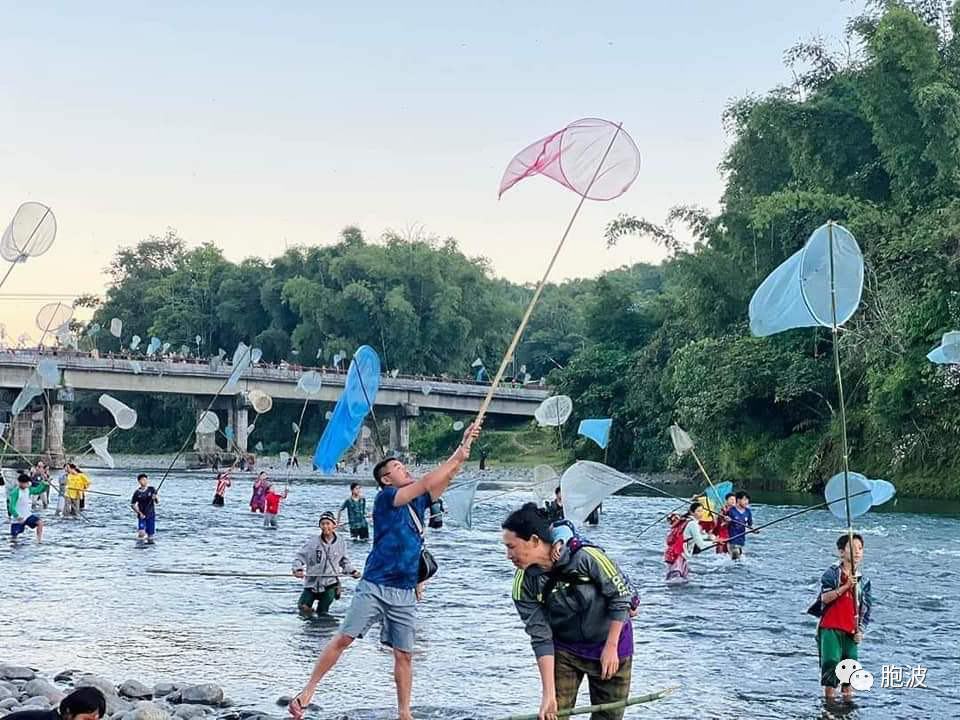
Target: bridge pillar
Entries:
(23, 432)
(400, 427)
(240, 418)
(53, 442)
(205, 444)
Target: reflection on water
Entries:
(736, 638)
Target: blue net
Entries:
(798, 293)
(948, 352)
(359, 395)
(716, 495)
(883, 490)
(597, 430)
(860, 493)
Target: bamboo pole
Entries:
(843, 423)
(619, 705)
(543, 281)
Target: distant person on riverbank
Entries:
(86, 703)
(356, 507)
(272, 506)
(576, 610)
(20, 507)
(223, 482)
(320, 563)
(258, 501)
(143, 503)
(77, 485)
(741, 519)
(843, 607)
(387, 592)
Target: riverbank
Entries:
(26, 688)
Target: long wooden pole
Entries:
(602, 707)
(843, 422)
(543, 281)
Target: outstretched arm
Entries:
(436, 481)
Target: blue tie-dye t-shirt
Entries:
(394, 560)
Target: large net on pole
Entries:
(571, 156)
(357, 399)
(798, 292)
(30, 233)
(584, 486)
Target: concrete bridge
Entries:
(399, 398)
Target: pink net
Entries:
(571, 157)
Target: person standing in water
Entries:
(143, 503)
(258, 501)
(387, 592)
(320, 563)
(740, 519)
(843, 607)
(77, 485)
(20, 507)
(223, 482)
(272, 506)
(356, 507)
(575, 606)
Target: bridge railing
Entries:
(201, 367)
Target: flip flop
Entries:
(295, 708)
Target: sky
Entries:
(258, 126)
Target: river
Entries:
(735, 639)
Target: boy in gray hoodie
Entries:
(320, 562)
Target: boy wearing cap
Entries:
(320, 562)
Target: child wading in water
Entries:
(19, 507)
(223, 482)
(844, 611)
(259, 498)
(356, 507)
(272, 505)
(740, 519)
(143, 503)
(320, 563)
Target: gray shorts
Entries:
(269, 520)
(394, 608)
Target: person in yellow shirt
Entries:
(77, 484)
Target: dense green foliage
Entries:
(872, 142)
(870, 139)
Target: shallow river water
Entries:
(735, 639)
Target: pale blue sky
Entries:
(254, 125)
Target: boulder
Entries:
(44, 688)
(37, 702)
(134, 689)
(175, 697)
(164, 689)
(117, 705)
(8, 703)
(203, 694)
(16, 672)
(284, 700)
(189, 712)
(12, 687)
(6, 694)
(65, 676)
(100, 683)
(149, 711)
